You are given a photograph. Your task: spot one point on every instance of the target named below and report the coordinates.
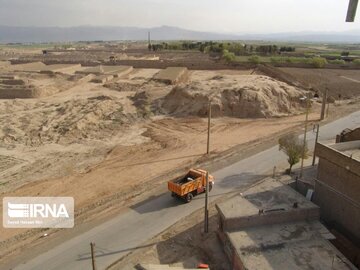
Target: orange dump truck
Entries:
(190, 185)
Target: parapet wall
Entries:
(337, 188)
(334, 155)
(238, 223)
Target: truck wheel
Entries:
(189, 197)
(210, 187)
(173, 194)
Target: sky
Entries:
(222, 16)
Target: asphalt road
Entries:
(134, 227)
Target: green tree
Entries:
(337, 62)
(357, 62)
(292, 146)
(228, 56)
(254, 59)
(318, 62)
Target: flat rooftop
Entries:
(270, 197)
(351, 149)
(353, 153)
(298, 245)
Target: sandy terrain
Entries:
(69, 131)
(245, 96)
(97, 143)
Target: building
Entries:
(271, 226)
(337, 187)
(348, 135)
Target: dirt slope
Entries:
(246, 96)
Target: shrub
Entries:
(357, 62)
(318, 62)
(293, 147)
(277, 60)
(337, 62)
(228, 56)
(254, 59)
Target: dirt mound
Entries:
(248, 96)
(67, 122)
(172, 75)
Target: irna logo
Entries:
(19, 210)
(38, 212)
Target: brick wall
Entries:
(337, 190)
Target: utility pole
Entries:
(327, 110)
(92, 245)
(323, 105)
(149, 41)
(316, 140)
(208, 135)
(304, 143)
(206, 222)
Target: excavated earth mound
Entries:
(71, 121)
(246, 96)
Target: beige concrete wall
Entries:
(233, 224)
(336, 157)
(230, 252)
(338, 190)
(237, 263)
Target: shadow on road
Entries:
(239, 180)
(157, 203)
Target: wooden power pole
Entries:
(206, 221)
(92, 245)
(304, 143)
(208, 135)
(323, 105)
(316, 140)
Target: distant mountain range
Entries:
(13, 34)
